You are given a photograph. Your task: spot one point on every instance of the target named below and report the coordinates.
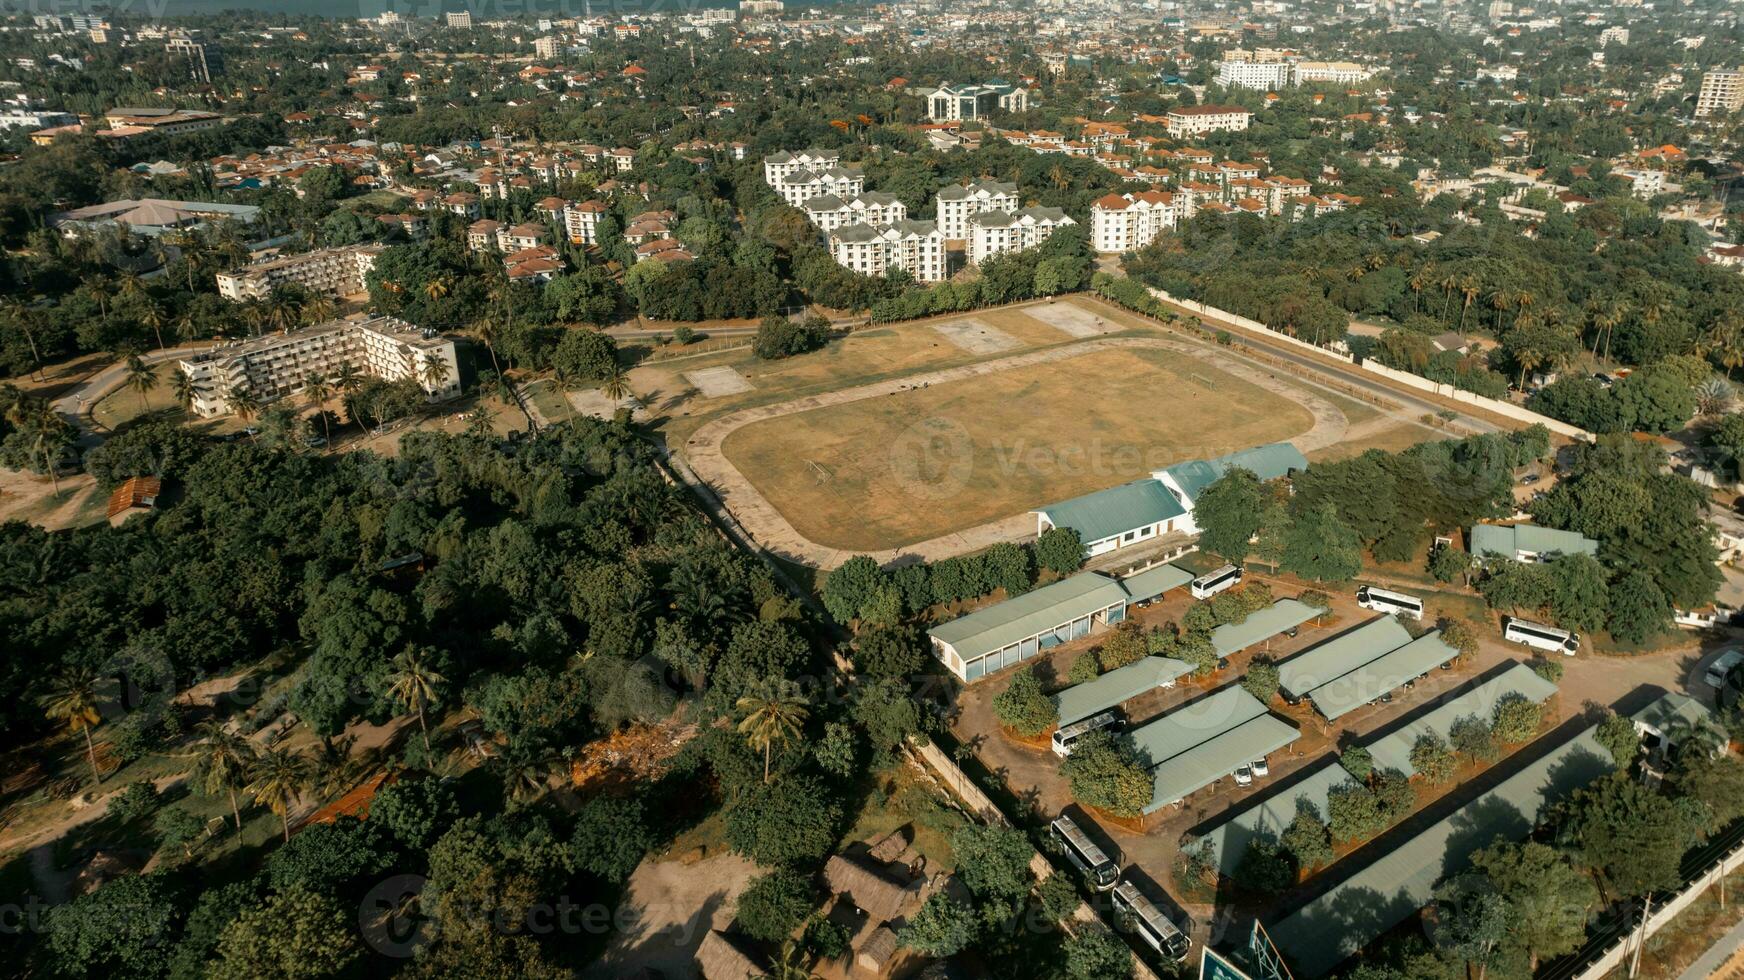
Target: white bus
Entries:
(1083, 852)
(1211, 583)
(1153, 926)
(1065, 737)
(1391, 603)
(1540, 637)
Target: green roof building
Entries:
(1117, 687)
(1279, 617)
(1012, 631)
(1340, 655)
(1161, 503)
(1527, 542)
(1385, 673)
(1200, 743)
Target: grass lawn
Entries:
(890, 471)
(122, 405)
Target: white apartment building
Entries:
(830, 212)
(12, 118)
(333, 271)
(580, 219)
(1123, 222)
(803, 185)
(778, 165)
(278, 365)
(1643, 183)
(459, 18)
(996, 232)
(957, 203)
(916, 247)
(1722, 92)
(1247, 73)
(548, 48)
(1328, 73)
(1196, 120)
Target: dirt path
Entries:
(772, 531)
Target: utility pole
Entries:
(1646, 913)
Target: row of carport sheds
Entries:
(1199, 743)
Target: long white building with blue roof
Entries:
(1161, 503)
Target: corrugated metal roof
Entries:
(1674, 711)
(1266, 462)
(1340, 655)
(1153, 582)
(1200, 721)
(1506, 540)
(1263, 625)
(1385, 673)
(1005, 623)
(1394, 750)
(1273, 814)
(1106, 513)
(1217, 757)
(1323, 932)
(1080, 701)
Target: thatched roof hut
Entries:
(719, 959)
(877, 951)
(872, 890)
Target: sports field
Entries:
(894, 470)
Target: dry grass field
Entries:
(891, 471)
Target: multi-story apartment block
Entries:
(486, 235)
(13, 118)
(203, 56)
(1328, 73)
(996, 232)
(830, 212)
(916, 247)
(957, 203)
(173, 122)
(803, 185)
(548, 47)
(332, 271)
(580, 219)
(1248, 73)
(459, 18)
(957, 103)
(278, 365)
(1123, 222)
(778, 165)
(1196, 120)
(1722, 92)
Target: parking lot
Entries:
(1032, 773)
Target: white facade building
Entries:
(916, 247)
(957, 203)
(957, 103)
(1262, 75)
(278, 365)
(580, 219)
(1123, 222)
(996, 232)
(1196, 120)
(830, 212)
(333, 271)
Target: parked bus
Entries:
(1153, 926)
(1067, 736)
(1540, 637)
(1083, 852)
(1211, 583)
(1391, 603)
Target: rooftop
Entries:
(1024, 616)
(1507, 540)
(1282, 615)
(1340, 655)
(1080, 701)
(1106, 513)
(1385, 673)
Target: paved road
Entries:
(77, 403)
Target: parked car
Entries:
(1260, 768)
(1243, 776)
(1730, 658)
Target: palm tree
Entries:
(155, 318)
(790, 964)
(773, 714)
(414, 684)
(616, 385)
(318, 391)
(141, 378)
(130, 285)
(17, 315)
(1529, 360)
(526, 776)
(244, 403)
(434, 373)
(37, 421)
(1469, 287)
(318, 309)
(73, 701)
(182, 387)
(277, 779)
(437, 287)
(223, 761)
